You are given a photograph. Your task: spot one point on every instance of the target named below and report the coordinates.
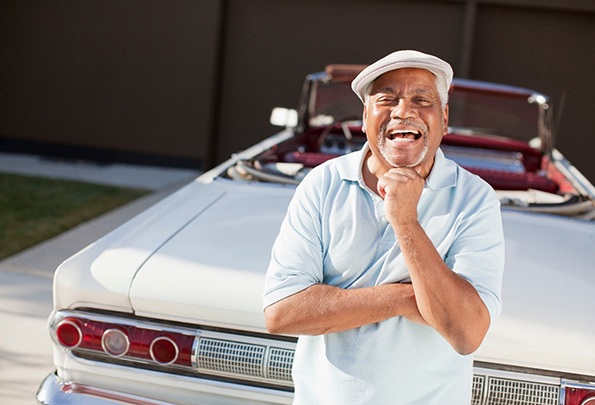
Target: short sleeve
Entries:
(296, 257)
(478, 253)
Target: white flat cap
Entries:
(405, 59)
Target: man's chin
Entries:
(402, 161)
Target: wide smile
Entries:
(403, 135)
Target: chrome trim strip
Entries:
(578, 180)
(121, 320)
(53, 391)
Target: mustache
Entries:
(405, 122)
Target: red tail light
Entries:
(164, 350)
(125, 340)
(580, 395)
(68, 333)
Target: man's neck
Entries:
(372, 171)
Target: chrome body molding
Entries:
(55, 391)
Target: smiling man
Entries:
(389, 262)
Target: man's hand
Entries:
(401, 190)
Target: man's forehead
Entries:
(412, 79)
(407, 74)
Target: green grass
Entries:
(33, 209)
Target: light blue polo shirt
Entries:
(336, 233)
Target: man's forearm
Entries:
(449, 303)
(322, 309)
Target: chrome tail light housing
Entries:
(190, 350)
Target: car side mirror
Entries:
(284, 117)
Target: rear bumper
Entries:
(150, 390)
(55, 391)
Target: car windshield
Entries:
(497, 114)
(332, 102)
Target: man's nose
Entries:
(403, 109)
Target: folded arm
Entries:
(446, 301)
(321, 309)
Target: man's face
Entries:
(404, 120)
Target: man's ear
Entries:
(364, 116)
(445, 120)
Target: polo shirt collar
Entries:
(443, 174)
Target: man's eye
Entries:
(385, 100)
(422, 101)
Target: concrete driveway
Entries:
(26, 278)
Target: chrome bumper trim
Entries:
(55, 391)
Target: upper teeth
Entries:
(394, 135)
(405, 131)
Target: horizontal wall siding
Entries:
(196, 81)
(109, 75)
(271, 46)
(549, 51)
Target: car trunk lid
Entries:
(546, 321)
(212, 270)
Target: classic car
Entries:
(167, 308)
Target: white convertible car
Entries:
(167, 308)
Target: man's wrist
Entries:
(406, 225)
